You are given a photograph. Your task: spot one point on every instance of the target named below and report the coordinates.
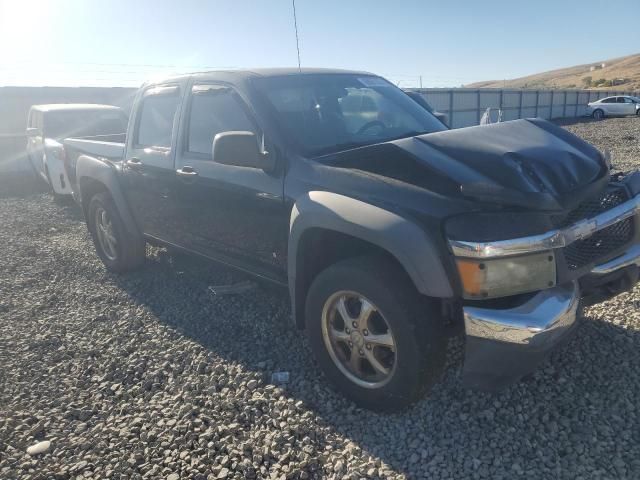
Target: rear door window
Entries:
(156, 118)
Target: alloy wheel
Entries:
(105, 234)
(358, 339)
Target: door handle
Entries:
(134, 162)
(186, 172)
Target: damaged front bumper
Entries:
(505, 344)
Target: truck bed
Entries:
(110, 147)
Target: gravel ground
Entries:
(151, 375)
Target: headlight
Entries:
(501, 277)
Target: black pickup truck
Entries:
(388, 229)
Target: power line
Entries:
(295, 24)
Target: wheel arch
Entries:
(94, 176)
(328, 227)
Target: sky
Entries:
(410, 42)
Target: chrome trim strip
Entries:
(546, 241)
(538, 321)
(630, 257)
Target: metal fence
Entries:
(465, 106)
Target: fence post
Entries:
(451, 108)
(551, 107)
(520, 106)
(478, 106)
(537, 101)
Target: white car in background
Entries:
(48, 125)
(614, 107)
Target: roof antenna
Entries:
(295, 24)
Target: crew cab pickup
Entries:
(48, 125)
(388, 229)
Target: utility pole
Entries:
(420, 81)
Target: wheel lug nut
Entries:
(355, 324)
(368, 346)
(365, 332)
(346, 330)
(350, 344)
(361, 352)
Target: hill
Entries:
(621, 73)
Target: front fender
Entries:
(411, 246)
(91, 171)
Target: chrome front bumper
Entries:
(545, 316)
(503, 345)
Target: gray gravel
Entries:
(151, 375)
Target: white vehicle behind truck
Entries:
(48, 125)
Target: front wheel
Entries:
(379, 341)
(598, 115)
(118, 249)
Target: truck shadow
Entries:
(574, 406)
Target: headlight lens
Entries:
(501, 277)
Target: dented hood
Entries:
(529, 163)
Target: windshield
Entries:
(325, 113)
(84, 123)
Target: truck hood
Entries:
(527, 163)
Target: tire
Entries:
(125, 251)
(598, 114)
(417, 331)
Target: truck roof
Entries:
(240, 75)
(59, 107)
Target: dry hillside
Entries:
(623, 72)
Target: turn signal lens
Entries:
(501, 277)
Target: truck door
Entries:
(232, 214)
(148, 164)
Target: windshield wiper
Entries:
(339, 147)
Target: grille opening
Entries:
(600, 244)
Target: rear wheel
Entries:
(118, 249)
(379, 341)
(598, 114)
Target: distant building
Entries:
(603, 65)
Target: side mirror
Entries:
(32, 132)
(240, 149)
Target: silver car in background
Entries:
(614, 107)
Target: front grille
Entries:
(610, 198)
(598, 245)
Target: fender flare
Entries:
(91, 169)
(408, 243)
